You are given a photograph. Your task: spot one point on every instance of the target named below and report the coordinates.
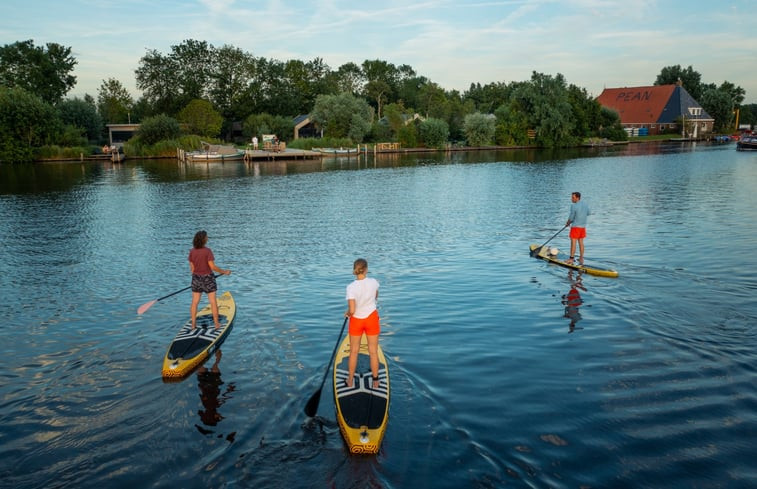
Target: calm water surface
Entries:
(506, 371)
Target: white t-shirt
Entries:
(364, 293)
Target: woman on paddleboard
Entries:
(364, 319)
(202, 265)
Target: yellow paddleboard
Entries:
(559, 260)
(361, 410)
(191, 347)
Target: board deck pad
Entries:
(190, 348)
(362, 411)
(561, 258)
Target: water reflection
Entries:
(572, 300)
(209, 381)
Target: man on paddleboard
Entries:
(579, 212)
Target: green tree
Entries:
(690, 79)
(43, 71)
(545, 100)
(349, 78)
(83, 114)
(230, 79)
(719, 104)
(407, 136)
(201, 118)
(156, 78)
(609, 125)
(479, 129)
(114, 102)
(434, 133)
(342, 116)
(158, 128)
(26, 122)
(512, 125)
(170, 82)
(259, 124)
(394, 117)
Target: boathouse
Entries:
(658, 109)
(118, 134)
(306, 128)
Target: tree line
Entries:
(228, 93)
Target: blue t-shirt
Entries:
(579, 211)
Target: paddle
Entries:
(147, 305)
(537, 250)
(312, 406)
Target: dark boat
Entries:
(747, 143)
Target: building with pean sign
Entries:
(658, 109)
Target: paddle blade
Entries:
(311, 408)
(144, 307)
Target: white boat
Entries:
(337, 151)
(215, 152)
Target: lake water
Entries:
(502, 376)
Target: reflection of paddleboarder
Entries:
(572, 301)
(209, 381)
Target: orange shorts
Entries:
(577, 233)
(370, 325)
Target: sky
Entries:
(594, 44)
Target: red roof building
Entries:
(658, 109)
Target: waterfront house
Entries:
(658, 109)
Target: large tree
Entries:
(171, 81)
(43, 71)
(689, 78)
(114, 102)
(201, 118)
(83, 114)
(26, 122)
(343, 116)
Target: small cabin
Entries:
(118, 134)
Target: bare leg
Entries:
(572, 250)
(193, 308)
(373, 353)
(352, 362)
(581, 249)
(214, 308)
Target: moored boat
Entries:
(215, 152)
(747, 143)
(337, 151)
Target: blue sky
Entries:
(593, 43)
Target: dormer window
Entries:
(695, 111)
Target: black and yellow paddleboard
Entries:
(559, 259)
(361, 410)
(191, 347)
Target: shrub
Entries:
(158, 128)
(434, 132)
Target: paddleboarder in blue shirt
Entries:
(579, 212)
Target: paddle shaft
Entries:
(537, 250)
(147, 305)
(312, 406)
